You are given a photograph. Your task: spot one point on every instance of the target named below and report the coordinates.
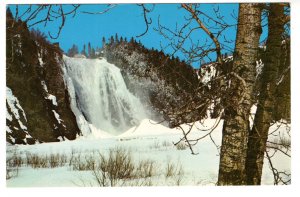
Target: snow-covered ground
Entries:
(148, 141)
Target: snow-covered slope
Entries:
(16, 120)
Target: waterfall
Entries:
(99, 96)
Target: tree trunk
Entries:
(239, 99)
(259, 133)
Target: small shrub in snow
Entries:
(166, 143)
(160, 145)
(14, 161)
(73, 152)
(179, 175)
(174, 170)
(36, 161)
(155, 145)
(53, 160)
(145, 169)
(57, 160)
(45, 161)
(117, 168)
(11, 172)
(90, 162)
(12, 165)
(79, 163)
(110, 170)
(170, 170)
(118, 165)
(63, 160)
(181, 146)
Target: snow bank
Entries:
(16, 112)
(14, 104)
(79, 56)
(147, 127)
(50, 97)
(40, 60)
(57, 116)
(15, 108)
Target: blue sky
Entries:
(127, 20)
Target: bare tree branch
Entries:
(279, 177)
(189, 8)
(110, 6)
(186, 139)
(147, 21)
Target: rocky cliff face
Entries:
(37, 103)
(163, 83)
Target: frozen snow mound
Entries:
(79, 56)
(149, 127)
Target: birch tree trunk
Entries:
(259, 133)
(239, 99)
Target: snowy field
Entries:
(146, 142)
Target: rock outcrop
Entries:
(37, 98)
(164, 83)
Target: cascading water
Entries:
(100, 96)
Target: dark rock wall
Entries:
(31, 60)
(163, 83)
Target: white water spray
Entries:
(99, 92)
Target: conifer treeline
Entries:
(91, 52)
(112, 41)
(172, 68)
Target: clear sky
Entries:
(127, 20)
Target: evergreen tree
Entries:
(89, 50)
(93, 53)
(116, 38)
(83, 52)
(112, 40)
(132, 40)
(103, 42)
(73, 51)
(8, 13)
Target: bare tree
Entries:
(239, 101)
(259, 133)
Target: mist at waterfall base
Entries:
(100, 98)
